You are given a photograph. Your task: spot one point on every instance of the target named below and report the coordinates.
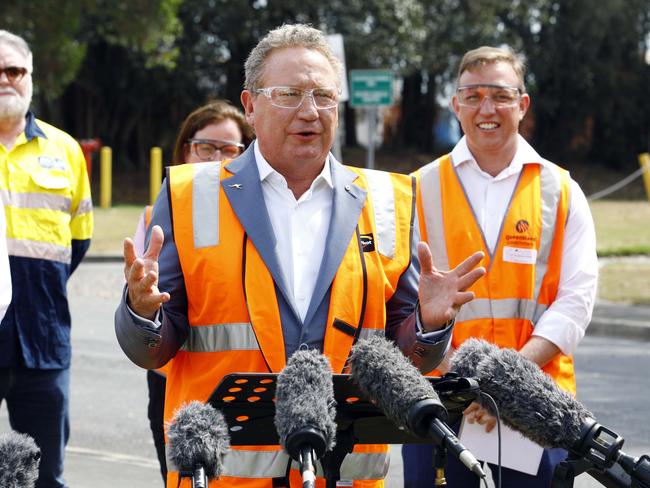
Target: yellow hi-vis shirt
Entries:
(46, 195)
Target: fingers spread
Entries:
(129, 251)
(467, 280)
(469, 264)
(155, 243)
(425, 257)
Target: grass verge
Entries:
(625, 281)
(112, 225)
(622, 229)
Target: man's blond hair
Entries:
(485, 55)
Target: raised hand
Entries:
(141, 275)
(441, 293)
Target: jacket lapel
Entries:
(244, 192)
(346, 208)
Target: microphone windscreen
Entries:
(305, 397)
(198, 435)
(529, 401)
(386, 376)
(467, 357)
(19, 460)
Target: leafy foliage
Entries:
(129, 71)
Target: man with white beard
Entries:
(45, 192)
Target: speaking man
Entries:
(283, 248)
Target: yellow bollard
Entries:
(106, 176)
(155, 173)
(644, 161)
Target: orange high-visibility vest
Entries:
(234, 315)
(523, 272)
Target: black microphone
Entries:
(406, 397)
(304, 410)
(531, 403)
(198, 441)
(19, 460)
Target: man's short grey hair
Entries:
(287, 36)
(19, 44)
(485, 55)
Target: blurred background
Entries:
(128, 72)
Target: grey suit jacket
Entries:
(151, 346)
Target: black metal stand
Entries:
(246, 401)
(439, 464)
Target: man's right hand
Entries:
(141, 275)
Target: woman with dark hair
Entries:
(212, 132)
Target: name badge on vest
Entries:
(519, 255)
(47, 162)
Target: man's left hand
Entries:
(441, 293)
(476, 413)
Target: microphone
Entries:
(19, 460)
(304, 410)
(530, 402)
(198, 441)
(406, 397)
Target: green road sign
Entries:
(371, 87)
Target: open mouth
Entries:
(488, 125)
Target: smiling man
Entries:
(279, 249)
(494, 192)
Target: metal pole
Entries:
(105, 171)
(155, 173)
(644, 161)
(372, 122)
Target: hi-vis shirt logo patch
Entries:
(47, 162)
(521, 237)
(367, 242)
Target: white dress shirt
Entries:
(565, 321)
(5, 272)
(300, 227)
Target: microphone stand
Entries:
(197, 476)
(599, 454)
(439, 463)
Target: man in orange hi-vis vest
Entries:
(494, 192)
(284, 248)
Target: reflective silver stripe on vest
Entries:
(432, 205)
(39, 250)
(273, 464)
(551, 187)
(504, 308)
(383, 204)
(85, 206)
(46, 201)
(221, 337)
(205, 204)
(368, 333)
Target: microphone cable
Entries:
(496, 414)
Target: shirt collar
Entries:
(32, 129)
(525, 154)
(266, 170)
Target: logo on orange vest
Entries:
(521, 226)
(367, 242)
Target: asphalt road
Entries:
(111, 445)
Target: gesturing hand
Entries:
(142, 276)
(441, 293)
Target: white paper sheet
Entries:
(517, 452)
